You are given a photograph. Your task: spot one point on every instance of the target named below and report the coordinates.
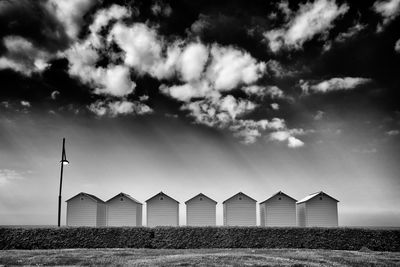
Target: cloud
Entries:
(115, 108)
(192, 61)
(261, 91)
(26, 104)
(231, 67)
(287, 135)
(113, 80)
(161, 9)
(334, 84)
(389, 10)
(275, 106)
(22, 56)
(393, 132)
(320, 114)
(142, 46)
(397, 46)
(218, 112)
(70, 13)
(54, 94)
(311, 19)
(7, 176)
(83, 56)
(103, 18)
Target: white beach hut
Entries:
(278, 210)
(123, 210)
(201, 211)
(239, 210)
(318, 209)
(86, 210)
(162, 210)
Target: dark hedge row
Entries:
(200, 237)
(79, 237)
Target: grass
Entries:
(199, 257)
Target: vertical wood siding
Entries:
(123, 212)
(321, 212)
(278, 211)
(201, 211)
(163, 212)
(240, 212)
(101, 214)
(301, 214)
(81, 211)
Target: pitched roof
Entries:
(311, 196)
(125, 195)
(278, 193)
(93, 197)
(162, 194)
(240, 193)
(201, 194)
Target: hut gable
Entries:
(85, 209)
(317, 209)
(162, 210)
(123, 210)
(201, 211)
(278, 210)
(239, 210)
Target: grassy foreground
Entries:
(199, 257)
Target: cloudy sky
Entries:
(200, 96)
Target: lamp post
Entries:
(63, 162)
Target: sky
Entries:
(200, 96)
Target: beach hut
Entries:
(162, 210)
(86, 210)
(200, 211)
(318, 209)
(239, 210)
(123, 210)
(278, 210)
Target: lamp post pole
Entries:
(63, 161)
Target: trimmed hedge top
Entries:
(200, 237)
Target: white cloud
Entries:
(70, 13)
(288, 136)
(231, 67)
(7, 176)
(115, 81)
(388, 9)
(275, 106)
(54, 94)
(261, 91)
(142, 47)
(334, 84)
(393, 132)
(397, 46)
(219, 112)
(293, 142)
(352, 31)
(188, 91)
(26, 104)
(22, 56)
(102, 18)
(115, 108)
(310, 19)
(192, 61)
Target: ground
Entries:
(199, 257)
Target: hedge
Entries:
(75, 237)
(200, 237)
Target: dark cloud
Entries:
(31, 20)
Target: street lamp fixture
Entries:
(63, 162)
